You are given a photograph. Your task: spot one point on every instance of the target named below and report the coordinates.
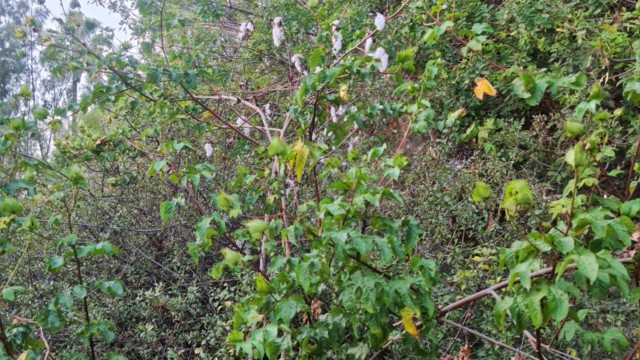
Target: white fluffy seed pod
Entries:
(381, 55)
(278, 31)
(296, 60)
(336, 42)
(208, 150)
(379, 21)
(367, 45)
(246, 28)
(243, 123)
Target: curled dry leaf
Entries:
(316, 308)
(483, 86)
(464, 353)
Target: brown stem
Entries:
(486, 338)
(633, 352)
(630, 173)
(480, 294)
(85, 303)
(5, 340)
(539, 344)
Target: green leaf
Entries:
(100, 329)
(384, 248)
(288, 307)
(256, 228)
(573, 128)
(481, 191)
(277, 147)
(575, 82)
(557, 304)
(113, 287)
(55, 263)
(500, 310)
(115, 356)
(631, 92)
(630, 208)
(217, 270)
(263, 286)
(521, 271)
(24, 92)
(481, 28)
(11, 187)
(564, 244)
(168, 208)
(231, 258)
(79, 291)
(40, 113)
(474, 44)
(587, 265)
(430, 35)
(524, 86)
(9, 292)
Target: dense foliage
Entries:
(321, 179)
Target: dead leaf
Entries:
(464, 353)
(102, 140)
(483, 86)
(316, 308)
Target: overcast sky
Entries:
(101, 14)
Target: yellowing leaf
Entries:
(302, 154)
(4, 221)
(483, 86)
(263, 286)
(407, 320)
(343, 92)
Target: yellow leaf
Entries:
(23, 356)
(343, 92)
(46, 41)
(302, 154)
(4, 221)
(483, 86)
(407, 321)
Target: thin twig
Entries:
(486, 338)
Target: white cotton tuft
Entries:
(267, 109)
(444, 6)
(278, 31)
(367, 45)
(296, 60)
(246, 28)
(336, 42)
(242, 123)
(334, 25)
(318, 69)
(384, 63)
(379, 21)
(208, 149)
(335, 113)
(381, 55)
